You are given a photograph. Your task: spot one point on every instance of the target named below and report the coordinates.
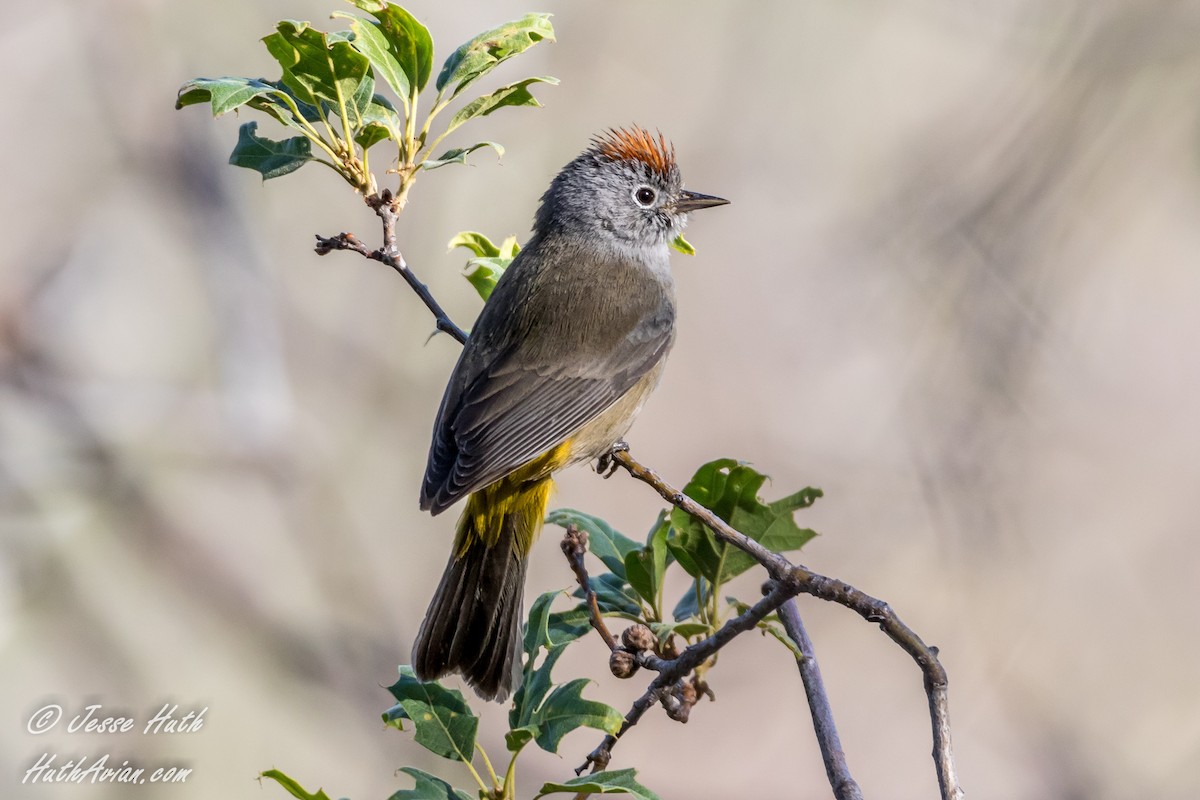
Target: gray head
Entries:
(624, 191)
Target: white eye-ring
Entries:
(644, 196)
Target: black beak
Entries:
(694, 201)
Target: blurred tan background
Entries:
(958, 288)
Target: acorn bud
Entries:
(679, 702)
(638, 638)
(623, 663)
(670, 648)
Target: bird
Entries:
(566, 350)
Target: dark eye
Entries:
(644, 195)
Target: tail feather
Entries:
(473, 625)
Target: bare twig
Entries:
(384, 206)
(574, 545)
(776, 565)
(836, 769)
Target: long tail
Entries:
(473, 625)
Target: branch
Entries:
(384, 206)
(834, 591)
(836, 769)
(574, 545)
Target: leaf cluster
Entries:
(342, 93)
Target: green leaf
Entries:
(486, 51)
(730, 489)
(293, 788)
(458, 155)
(228, 94)
(619, 781)
(428, 787)
(535, 685)
(514, 94)
(379, 122)
(317, 69)
(604, 542)
(484, 274)
(517, 738)
(444, 722)
(224, 94)
(477, 243)
(776, 630)
(550, 629)
(688, 605)
(399, 47)
(266, 156)
(565, 710)
(683, 245)
(509, 248)
(394, 717)
(645, 567)
(614, 596)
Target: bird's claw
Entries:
(607, 464)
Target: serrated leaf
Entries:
(317, 69)
(517, 738)
(549, 629)
(293, 788)
(688, 605)
(509, 248)
(428, 787)
(645, 567)
(776, 630)
(223, 94)
(620, 781)
(484, 274)
(444, 723)
(486, 51)
(477, 243)
(683, 245)
(268, 157)
(605, 542)
(379, 122)
(514, 94)
(398, 45)
(613, 595)
(458, 155)
(228, 94)
(730, 489)
(565, 709)
(535, 685)
(395, 716)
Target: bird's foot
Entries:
(607, 464)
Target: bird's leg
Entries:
(606, 465)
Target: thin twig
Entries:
(389, 254)
(574, 545)
(843, 785)
(776, 565)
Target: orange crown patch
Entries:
(637, 144)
